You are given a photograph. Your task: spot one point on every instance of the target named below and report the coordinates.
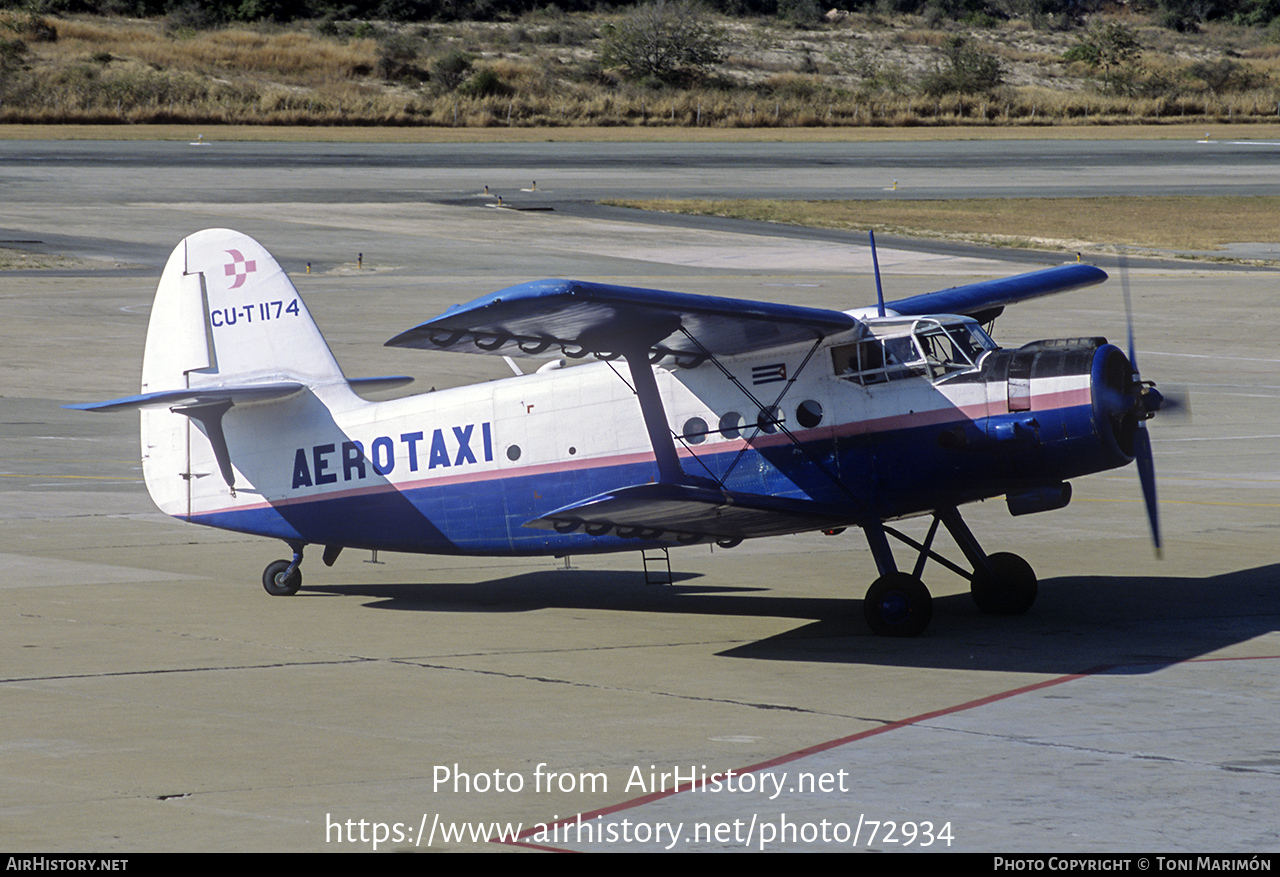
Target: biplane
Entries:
(691, 420)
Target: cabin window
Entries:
(877, 360)
(862, 361)
(768, 420)
(731, 424)
(695, 431)
(809, 413)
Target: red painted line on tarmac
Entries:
(801, 753)
(842, 741)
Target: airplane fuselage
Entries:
(462, 470)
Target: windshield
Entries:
(928, 347)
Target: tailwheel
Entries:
(279, 581)
(898, 604)
(1008, 589)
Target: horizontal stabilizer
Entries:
(688, 513)
(386, 382)
(550, 317)
(990, 296)
(241, 394)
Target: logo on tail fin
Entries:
(240, 268)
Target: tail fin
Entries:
(228, 333)
(226, 313)
(228, 330)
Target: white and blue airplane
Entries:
(702, 420)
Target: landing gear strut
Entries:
(283, 578)
(898, 603)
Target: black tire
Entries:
(898, 604)
(276, 584)
(1009, 590)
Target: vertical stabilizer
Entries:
(226, 311)
(228, 323)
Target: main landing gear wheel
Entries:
(1009, 589)
(275, 581)
(898, 604)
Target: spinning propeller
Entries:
(1147, 400)
(1129, 402)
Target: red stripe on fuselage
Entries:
(1042, 402)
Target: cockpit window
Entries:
(902, 349)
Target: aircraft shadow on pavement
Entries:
(1135, 624)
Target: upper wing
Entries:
(987, 299)
(576, 318)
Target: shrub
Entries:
(37, 30)
(12, 55)
(191, 17)
(486, 83)
(1184, 16)
(1225, 75)
(1110, 49)
(670, 40)
(451, 71)
(398, 56)
(963, 69)
(801, 13)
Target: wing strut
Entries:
(655, 416)
(780, 425)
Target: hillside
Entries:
(554, 68)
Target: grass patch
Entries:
(588, 134)
(1087, 224)
(21, 260)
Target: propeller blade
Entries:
(1141, 438)
(1128, 312)
(1147, 475)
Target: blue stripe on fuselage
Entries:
(892, 473)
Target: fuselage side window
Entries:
(862, 361)
(877, 360)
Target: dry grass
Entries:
(231, 132)
(1062, 223)
(859, 74)
(292, 56)
(20, 260)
